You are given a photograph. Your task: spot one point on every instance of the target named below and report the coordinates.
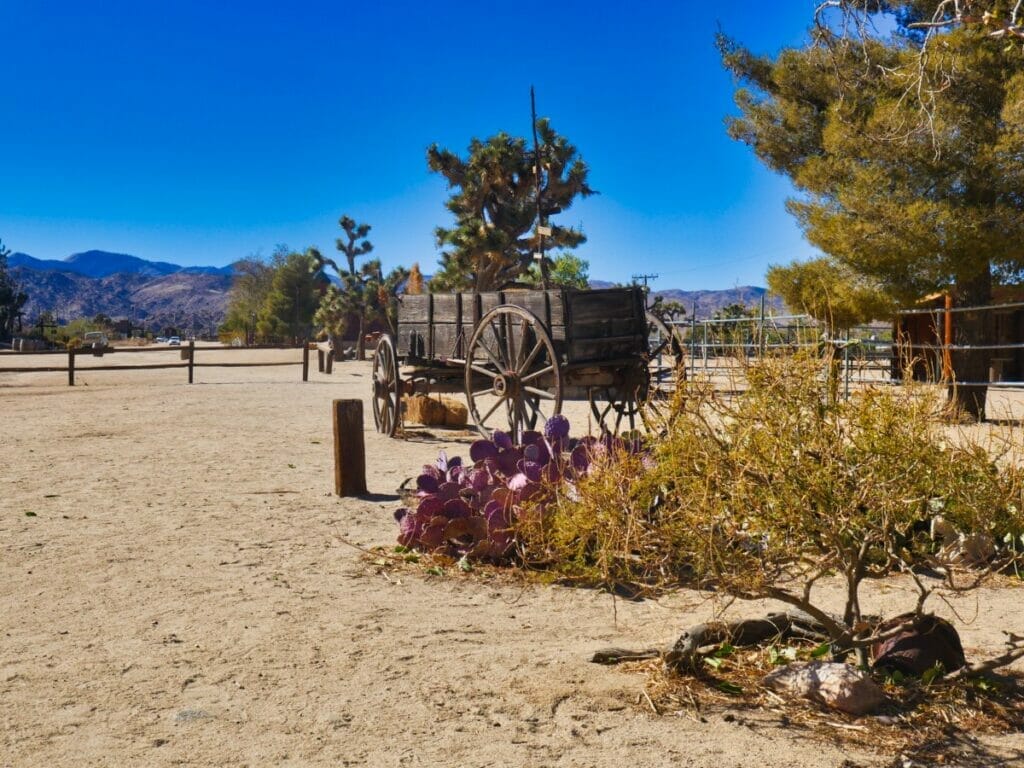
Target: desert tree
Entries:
(830, 292)
(913, 207)
(566, 270)
(295, 291)
(415, 284)
(250, 285)
(495, 204)
(12, 298)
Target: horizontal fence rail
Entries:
(873, 354)
(187, 353)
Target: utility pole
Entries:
(645, 278)
(542, 228)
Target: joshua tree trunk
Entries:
(361, 341)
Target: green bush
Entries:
(764, 494)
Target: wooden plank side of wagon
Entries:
(605, 325)
(414, 316)
(446, 326)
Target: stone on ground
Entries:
(830, 683)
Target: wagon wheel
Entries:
(665, 359)
(387, 387)
(622, 402)
(512, 372)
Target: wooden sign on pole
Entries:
(349, 451)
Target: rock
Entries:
(928, 642)
(191, 715)
(830, 683)
(970, 549)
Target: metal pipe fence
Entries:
(719, 348)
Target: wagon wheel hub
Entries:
(507, 385)
(512, 371)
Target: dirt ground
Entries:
(174, 590)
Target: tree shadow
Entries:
(961, 748)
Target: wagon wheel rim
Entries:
(620, 404)
(662, 375)
(512, 372)
(386, 387)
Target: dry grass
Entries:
(920, 721)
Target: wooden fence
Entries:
(188, 360)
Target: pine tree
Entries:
(917, 206)
(294, 296)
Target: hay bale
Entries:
(436, 412)
(456, 413)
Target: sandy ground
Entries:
(182, 597)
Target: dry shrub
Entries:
(764, 494)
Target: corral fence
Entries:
(188, 353)
(922, 341)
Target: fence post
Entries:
(191, 361)
(704, 346)
(760, 331)
(846, 366)
(349, 451)
(305, 361)
(71, 366)
(693, 343)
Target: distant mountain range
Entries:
(155, 294)
(104, 264)
(704, 304)
(160, 294)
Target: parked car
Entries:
(161, 340)
(174, 341)
(95, 339)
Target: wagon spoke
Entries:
(529, 360)
(493, 408)
(518, 418)
(485, 371)
(542, 394)
(487, 351)
(497, 338)
(524, 327)
(535, 407)
(510, 353)
(537, 374)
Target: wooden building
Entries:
(927, 337)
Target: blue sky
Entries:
(200, 133)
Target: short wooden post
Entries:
(305, 361)
(319, 360)
(330, 360)
(349, 451)
(71, 367)
(191, 361)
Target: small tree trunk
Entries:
(971, 329)
(361, 341)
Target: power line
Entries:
(645, 278)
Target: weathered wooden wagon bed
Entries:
(518, 353)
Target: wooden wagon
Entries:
(518, 354)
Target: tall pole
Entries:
(539, 255)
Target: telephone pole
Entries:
(645, 278)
